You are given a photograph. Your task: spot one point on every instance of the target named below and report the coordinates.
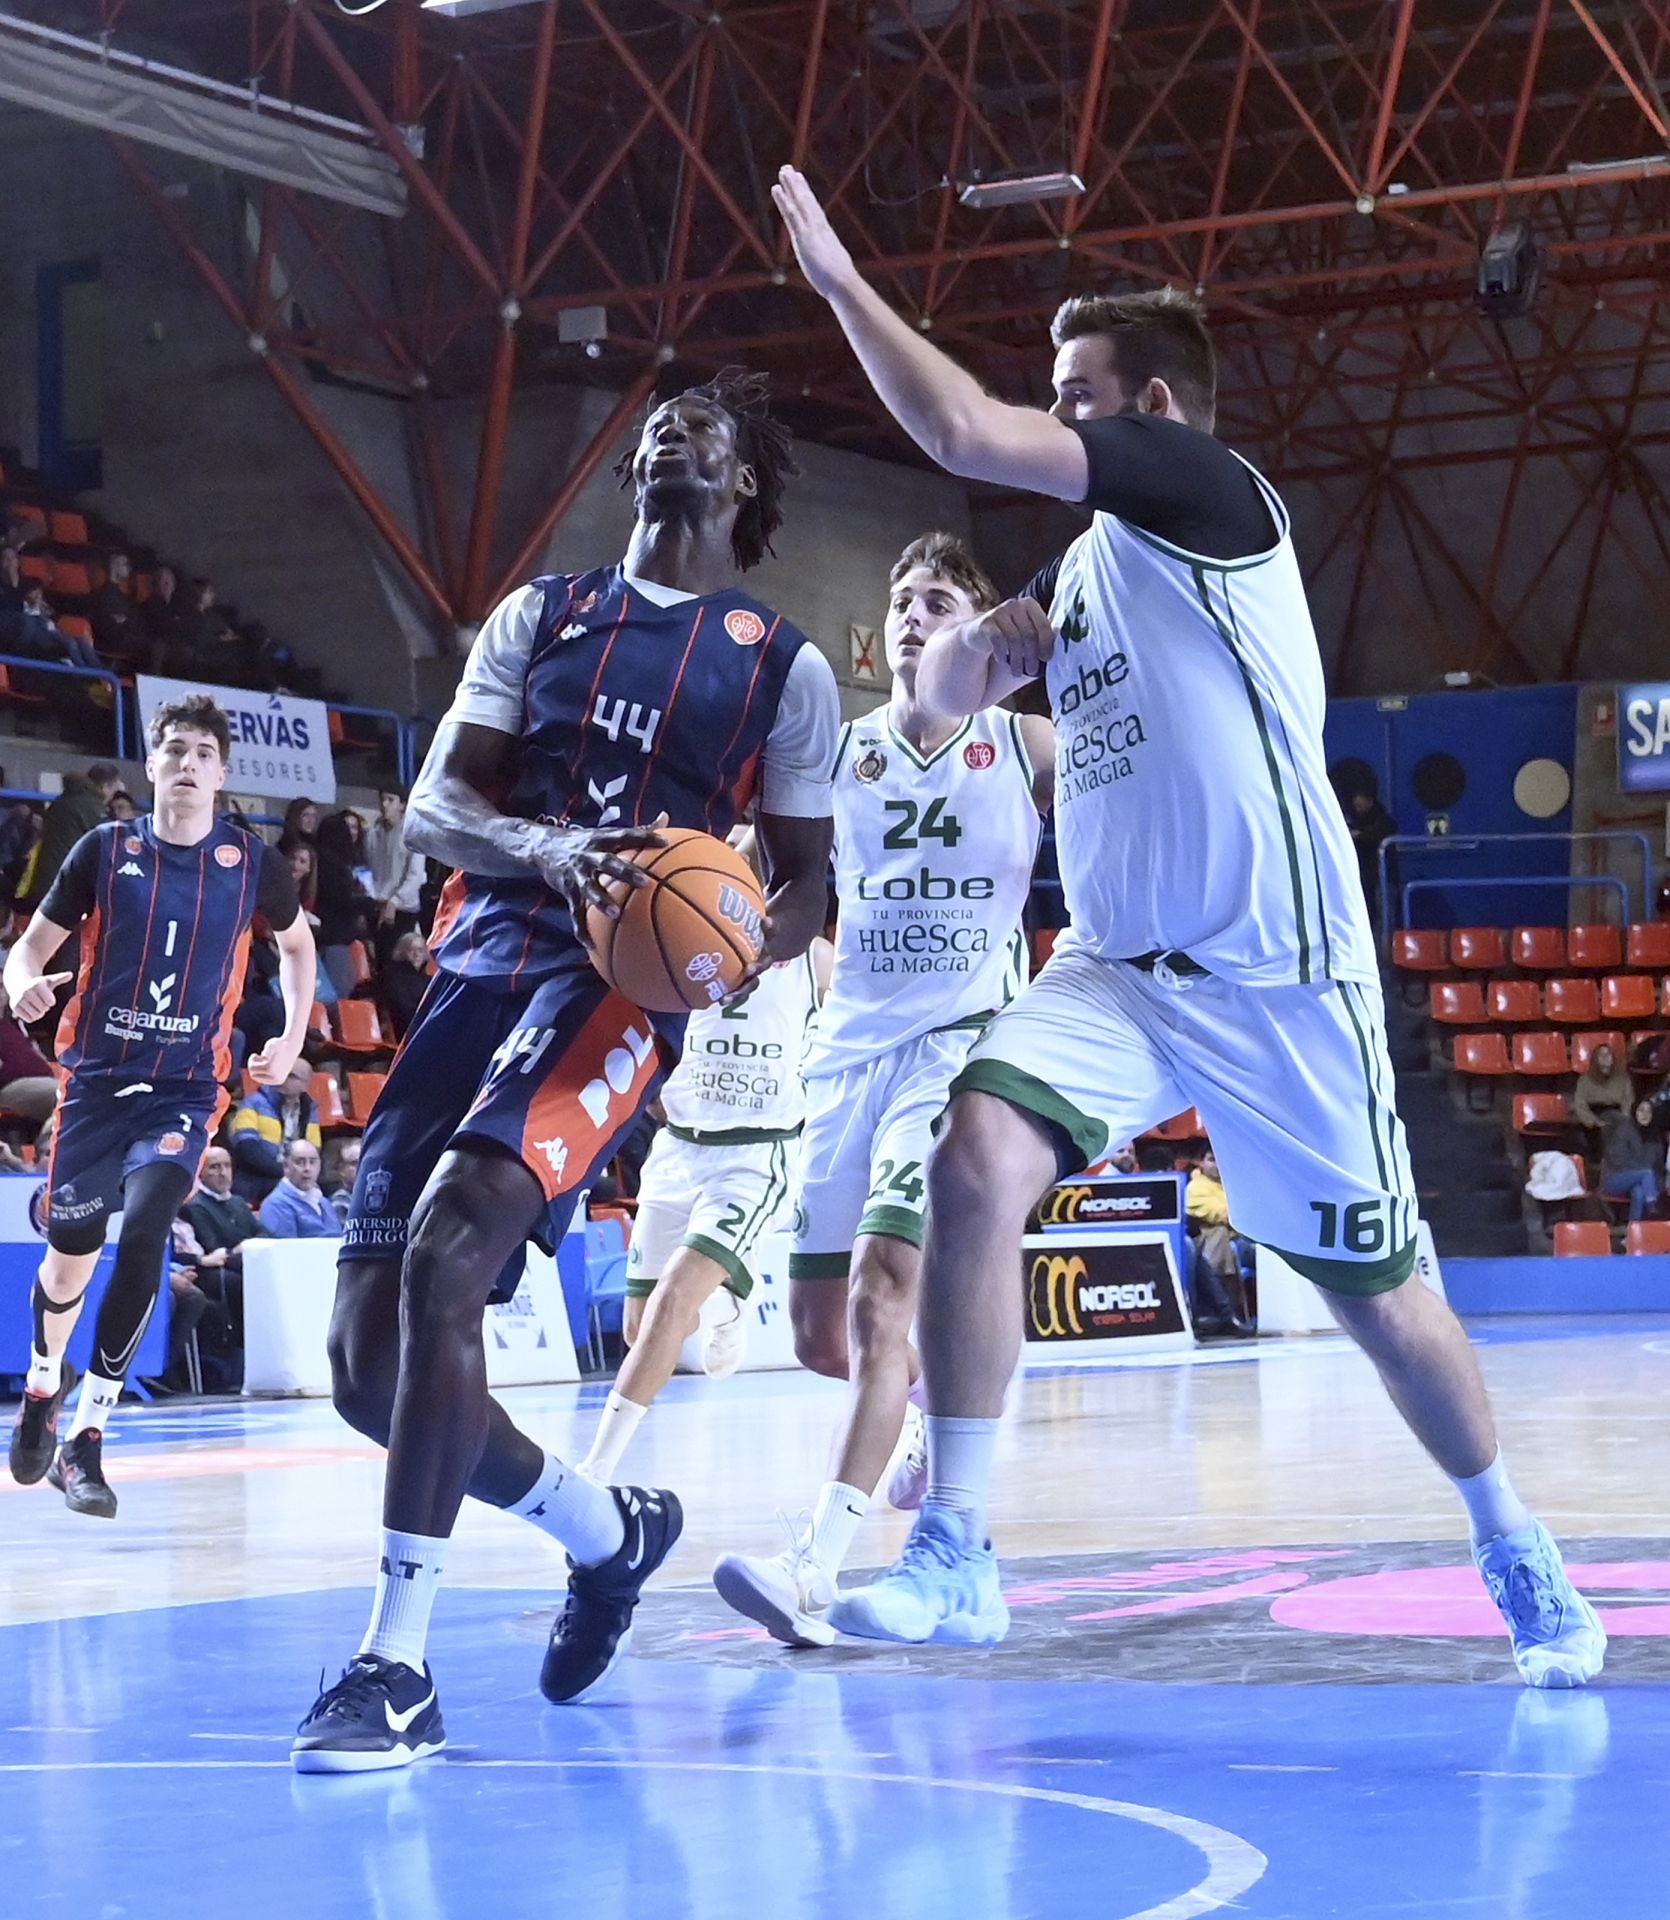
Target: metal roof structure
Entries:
(587, 201)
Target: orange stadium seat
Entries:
(327, 1098)
(1478, 949)
(68, 529)
(1647, 1236)
(1539, 949)
(1598, 946)
(1182, 1126)
(1583, 1047)
(35, 566)
(1572, 1003)
(1541, 1113)
(319, 1022)
(1419, 950)
(1043, 944)
(1541, 1054)
(1516, 1003)
(1584, 1238)
(1628, 996)
(363, 1089)
(358, 1029)
(1482, 1053)
(359, 956)
(76, 627)
(30, 515)
(1458, 1003)
(72, 578)
(1648, 945)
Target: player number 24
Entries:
(1365, 1228)
(936, 824)
(902, 1178)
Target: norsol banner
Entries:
(1110, 1286)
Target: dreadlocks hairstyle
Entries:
(762, 443)
(946, 556)
(1157, 334)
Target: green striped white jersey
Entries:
(741, 1065)
(1192, 804)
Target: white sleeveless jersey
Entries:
(1192, 805)
(933, 860)
(740, 1072)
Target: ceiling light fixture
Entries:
(1019, 189)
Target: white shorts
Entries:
(1294, 1085)
(868, 1132)
(716, 1197)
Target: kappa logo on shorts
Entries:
(869, 766)
(171, 1143)
(229, 856)
(377, 1184)
(703, 967)
(978, 755)
(745, 628)
(556, 1154)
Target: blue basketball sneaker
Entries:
(943, 1587)
(1557, 1639)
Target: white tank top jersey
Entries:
(1193, 811)
(740, 1071)
(933, 861)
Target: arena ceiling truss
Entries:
(586, 186)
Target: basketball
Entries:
(686, 939)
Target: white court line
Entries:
(1232, 1864)
(1271, 1766)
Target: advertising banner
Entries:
(281, 746)
(1644, 737)
(1087, 1289)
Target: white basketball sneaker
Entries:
(908, 1481)
(726, 1341)
(789, 1595)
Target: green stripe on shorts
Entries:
(1354, 1276)
(819, 1266)
(1037, 1097)
(898, 1223)
(737, 1277)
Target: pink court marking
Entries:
(1451, 1603)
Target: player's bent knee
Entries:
(818, 1317)
(982, 1163)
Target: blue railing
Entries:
(118, 711)
(400, 733)
(1472, 843)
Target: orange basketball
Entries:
(686, 939)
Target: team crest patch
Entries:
(133, 844)
(703, 967)
(377, 1185)
(870, 765)
(586, 605)
(745, 628)
(171, 1143)
(979, 754)
(229, 856)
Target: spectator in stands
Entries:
(360, 857)
(1207, 1209)
(343, 908)
(1603, 1088)
(396, 871)
(28, 1087)
(11, 586)
(401, 982)
(265, 1124)
(36, 633)
(204, 632)
(296, 1209)
(82, 805)
(301, 822)
(342, 1162)
(1631, 1159)
(222, 1219)
(1123, 1159)
(112, 613)
(20, 834)
(162, 621)
(122, 805)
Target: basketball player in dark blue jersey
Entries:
(164, 904)
(594, 708)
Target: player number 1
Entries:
(1365, 1230)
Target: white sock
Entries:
(614, 1433)
(960, 1454)
(1493, 1508)
(406, 1581)
(46, 1372)
(97, 1403)
(575, 1511)
(835, 1522)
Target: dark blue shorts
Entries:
(554, 1074)
(108, 1129)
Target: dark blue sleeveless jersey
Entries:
(630, 710)
(164, 937)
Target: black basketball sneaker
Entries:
(379, 1714)
(78, 1474)
(35, 1430)
(593, 1633)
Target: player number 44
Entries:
(1365, 1227)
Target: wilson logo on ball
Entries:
(745, 628)
(979, 754)
(741, 912)
(702, 967)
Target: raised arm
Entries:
(966, 668)
(942, 407)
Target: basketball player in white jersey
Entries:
(714, 1184)
(936, 832)
(1219, 954)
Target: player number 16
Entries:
(1365, 1229)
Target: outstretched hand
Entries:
(36, 999)
(1018, 635)
(823, 256)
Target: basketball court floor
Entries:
(1251, 1671)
